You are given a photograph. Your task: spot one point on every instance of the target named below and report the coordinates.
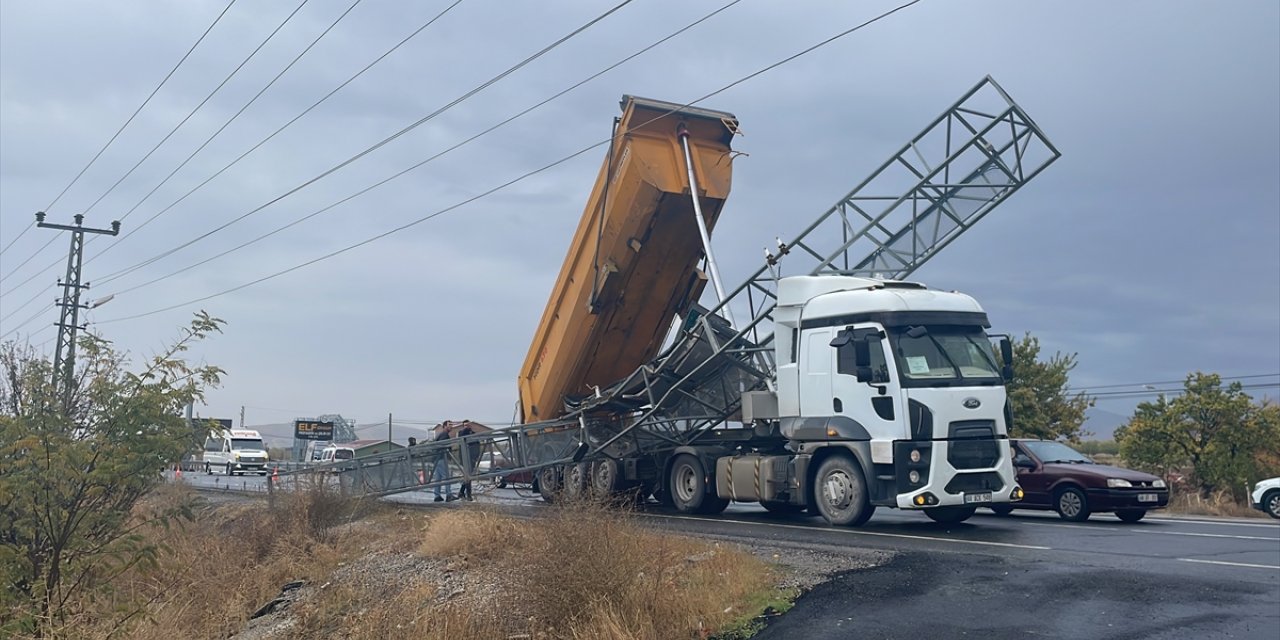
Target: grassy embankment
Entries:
(376, 572)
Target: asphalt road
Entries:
(1029, 575)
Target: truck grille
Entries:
(973, 444)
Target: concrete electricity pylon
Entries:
(64, 360)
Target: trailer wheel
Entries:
(688, 487)
(604, 478)
(576, 480)
(549, 483)
(840, 492)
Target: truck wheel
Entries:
(604, 478)
(950, 515)
(1271, 503)
(840, 492)
(1131, 515)
(1072, 505)
(549, 483)
(1002, 510)
(688, 487)
(576, 478)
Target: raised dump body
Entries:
(633, 262)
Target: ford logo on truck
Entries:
(972, 403)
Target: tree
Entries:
(1219, 433)
(1038, 396)
(71, 476)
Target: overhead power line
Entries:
(379, 144)
(1111, 395)
(1087, 389)
(424, 162)
(140, 107)
(24, 263)
(273, 134)
(17, 238)
(524, 176)
(216, 89)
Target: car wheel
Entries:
(688, 487)
(840, 492)
(1271, 503)
(1131, 515)
(1002, 510)
(950, 515)
(1072, 505)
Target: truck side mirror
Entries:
(1006, 354)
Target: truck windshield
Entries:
(945, 355)
(240, 444)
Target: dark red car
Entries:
(1055, 476)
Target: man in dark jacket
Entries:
(441, 470)
(473, 457)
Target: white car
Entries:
(1266, 497)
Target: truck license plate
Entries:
(971, 498)
(1148, 497)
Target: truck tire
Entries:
(950, 515)
(549, 483)
(840, 492)
(688, 487)
(604, 478)
(577, 478)
(1071, 504)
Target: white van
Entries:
(234, 451)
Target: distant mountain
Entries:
(1102, 424)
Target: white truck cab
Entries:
(902, 379)
(234, 451)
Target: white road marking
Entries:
(1215, 522)
(1163, 533)
(1232, 564)
(863, 532)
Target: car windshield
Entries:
(240, 444)
(943, 355)
(1056, 452)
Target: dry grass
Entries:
(580, 572)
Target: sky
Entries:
(1151, 248)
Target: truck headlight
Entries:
(914, 477)
(1159, 483)
(915, 456)
(1118, 483)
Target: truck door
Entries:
(876, 404)
(816, 358)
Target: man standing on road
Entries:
(473, 456)
(441, 470)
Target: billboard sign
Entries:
(312, 430)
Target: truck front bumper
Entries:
(945, 485)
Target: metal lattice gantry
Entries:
(939, 184)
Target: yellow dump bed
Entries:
(633, 263)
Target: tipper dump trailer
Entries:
(836, 389)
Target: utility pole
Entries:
(388, 428)
(64, 360)
(241, 416)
